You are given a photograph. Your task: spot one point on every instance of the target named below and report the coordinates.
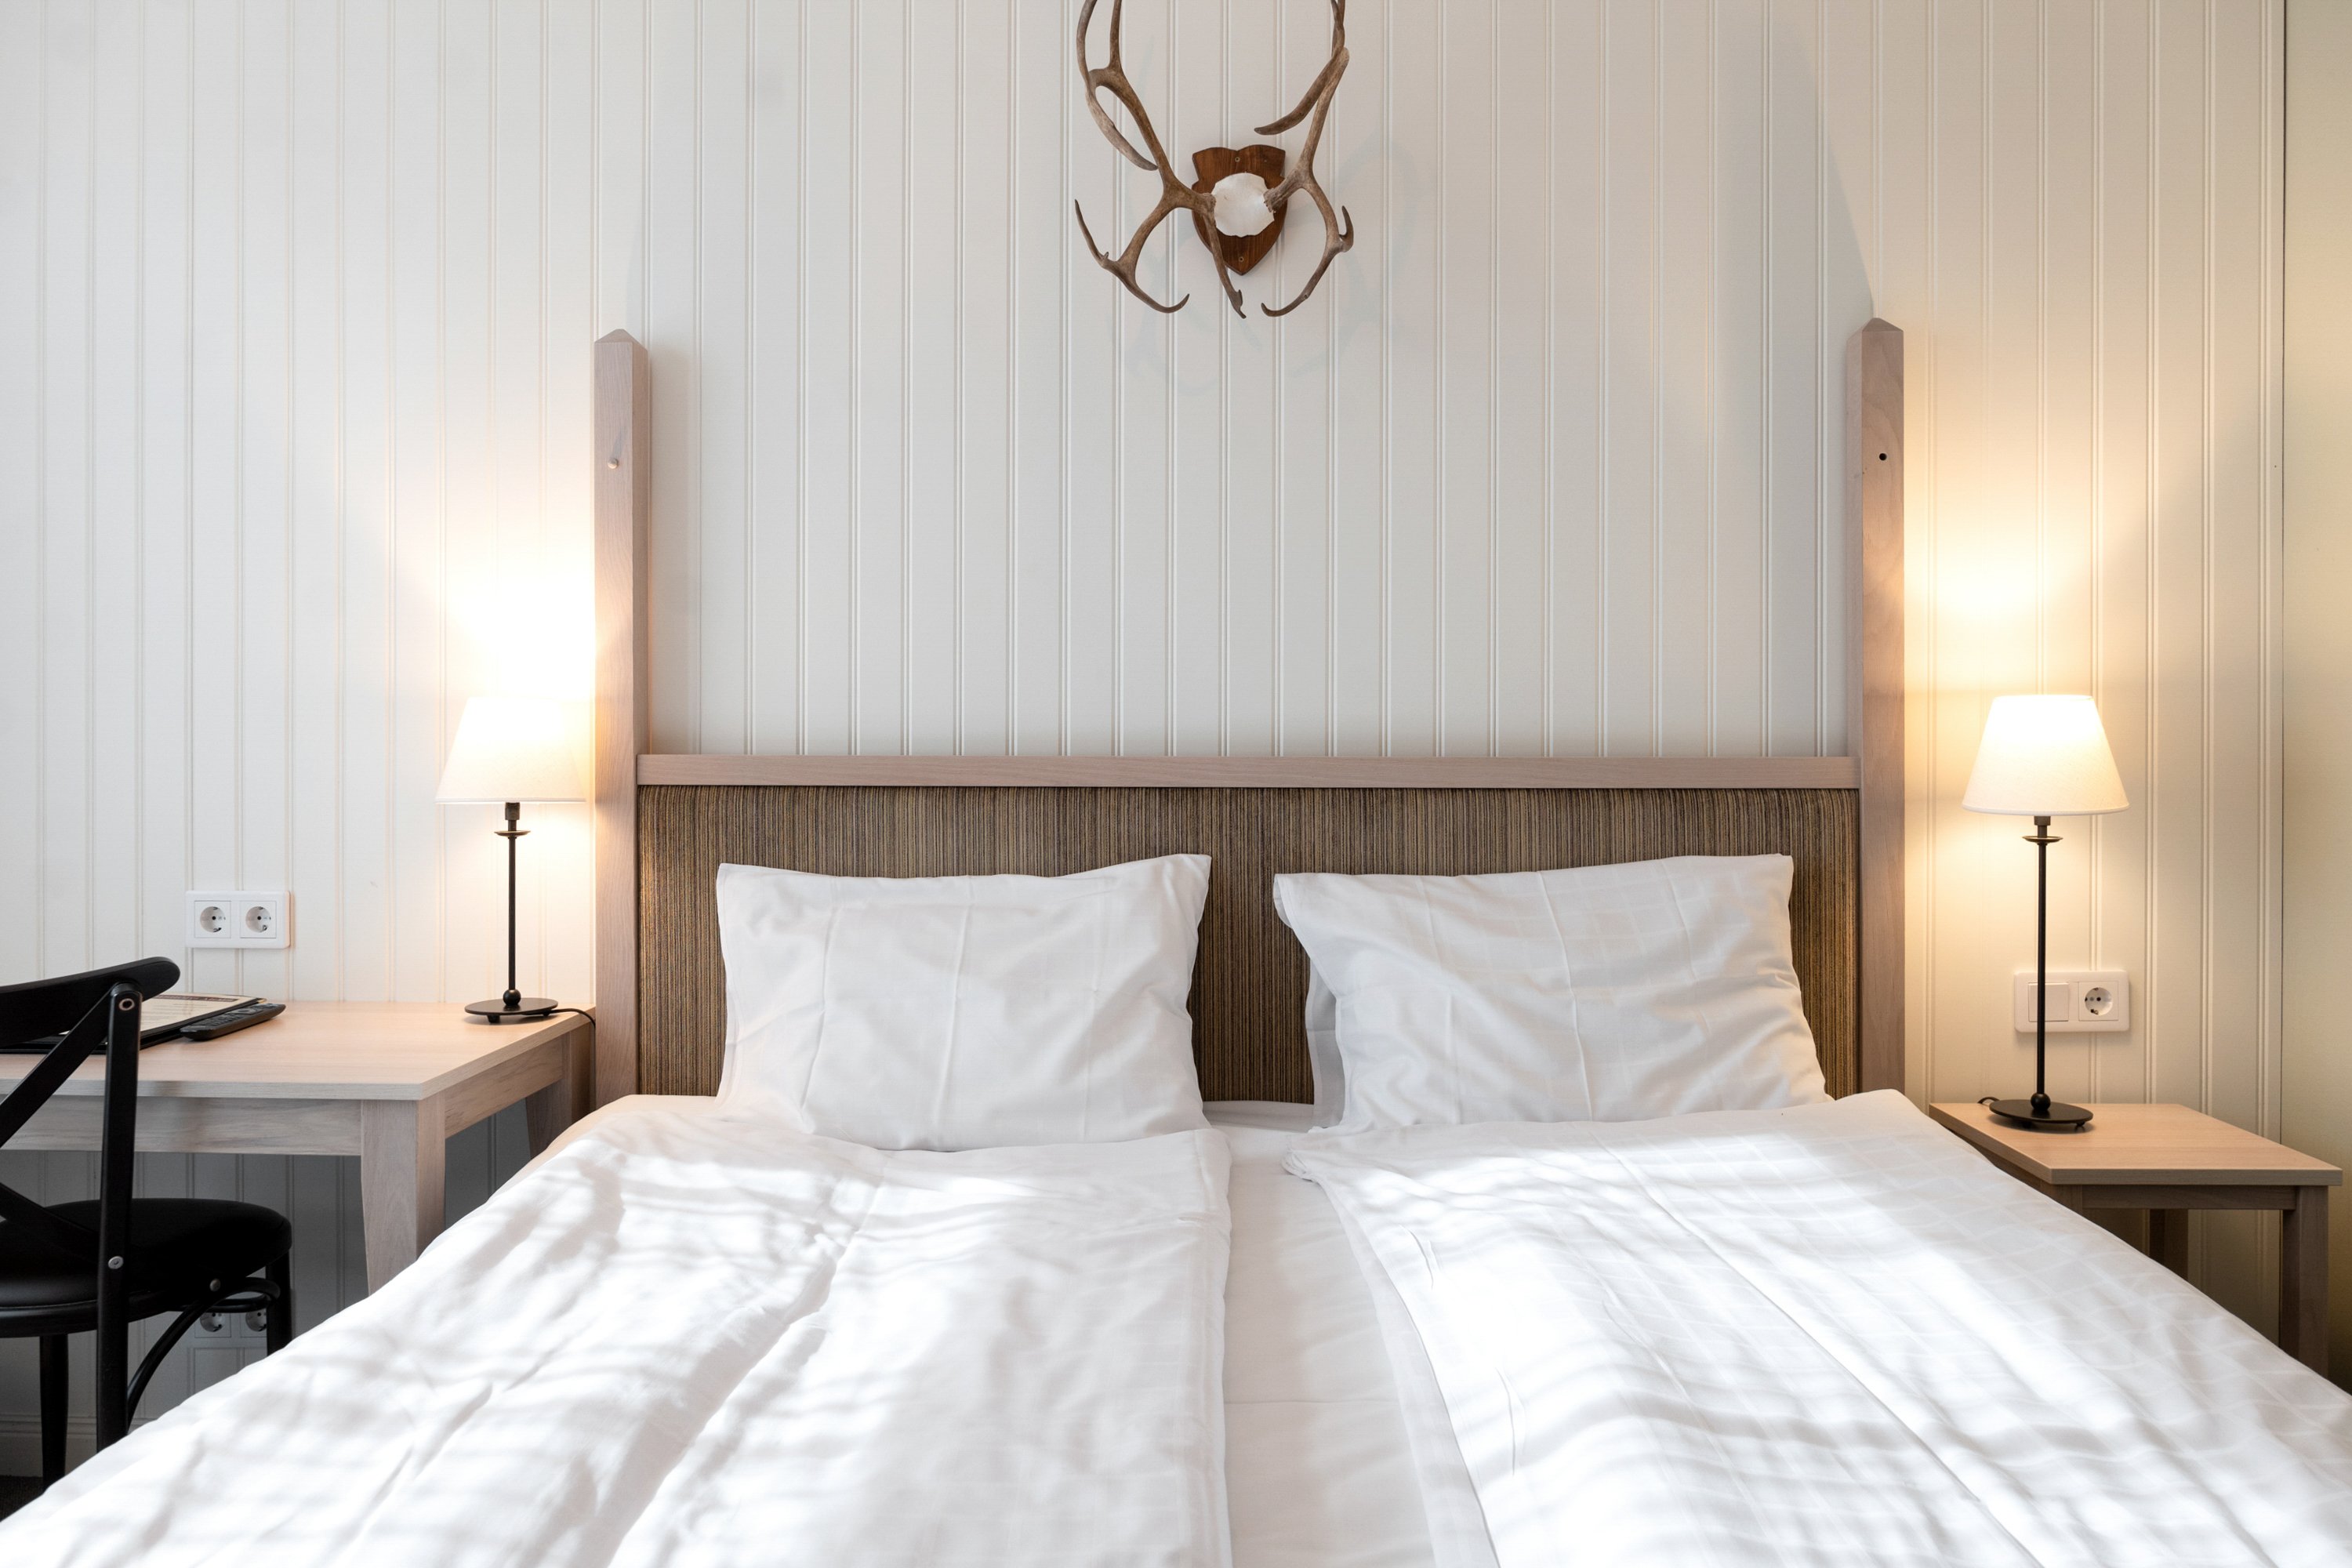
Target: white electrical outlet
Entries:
(240, 920)
(2080, 1000)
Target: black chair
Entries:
(102, 1266)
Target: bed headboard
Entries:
(665, 823)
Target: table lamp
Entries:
(513, 749)
(2043, 757)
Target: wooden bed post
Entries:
(1873, 527)
(624, 420)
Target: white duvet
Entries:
(1825, 1335)
(685, 1338)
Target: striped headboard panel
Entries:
(1250, 981)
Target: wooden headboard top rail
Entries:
(1260, 773)
(670, 819)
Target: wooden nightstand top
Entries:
(325, 1050)
(2138, 1145)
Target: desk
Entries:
(388, 1082)
(2167, 1160)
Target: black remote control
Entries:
(230, 1022)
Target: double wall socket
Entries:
(2080, 1000)
(240, 920)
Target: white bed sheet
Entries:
(1827, 1335)
(683, 1338)
(1333, 1459)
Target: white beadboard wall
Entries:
(295, 301)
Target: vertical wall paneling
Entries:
(299, 398)
(297, 302)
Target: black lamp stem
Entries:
(2039, 1111)
(513, 997)
(512, 1006)
(2042, 838)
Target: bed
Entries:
(1322, 1465)
(1303, 1399)
(1330, 1443)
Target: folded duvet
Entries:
(687, 1340)
(1826, 1335)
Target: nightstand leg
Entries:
(2303, 1279)
(2168, 1238)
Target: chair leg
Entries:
(280, 1331)
(53, 1408)
(111, 1398)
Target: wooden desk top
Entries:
(2161, 1145)
(325, 1050)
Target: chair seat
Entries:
(178, 1247)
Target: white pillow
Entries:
(965, 1012)
(1605, 994)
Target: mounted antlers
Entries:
(1174, 194)
(1338, 229)
(1336, 238)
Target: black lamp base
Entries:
(526, 1009)
(2053, 1117)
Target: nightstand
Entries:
(2167, 1160)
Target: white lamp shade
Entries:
(514, 747)
(2044, 756)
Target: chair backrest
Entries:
(98, 1009)
(35, 1008)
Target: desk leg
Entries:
(550, 1110)
(401, 1157)
(2303, 1279)
(2168, 1238)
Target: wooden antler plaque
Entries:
(1242, 251)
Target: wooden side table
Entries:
(387, 1081)
(2167, 1160)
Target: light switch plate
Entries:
(2082, 1001)
(240, 920)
